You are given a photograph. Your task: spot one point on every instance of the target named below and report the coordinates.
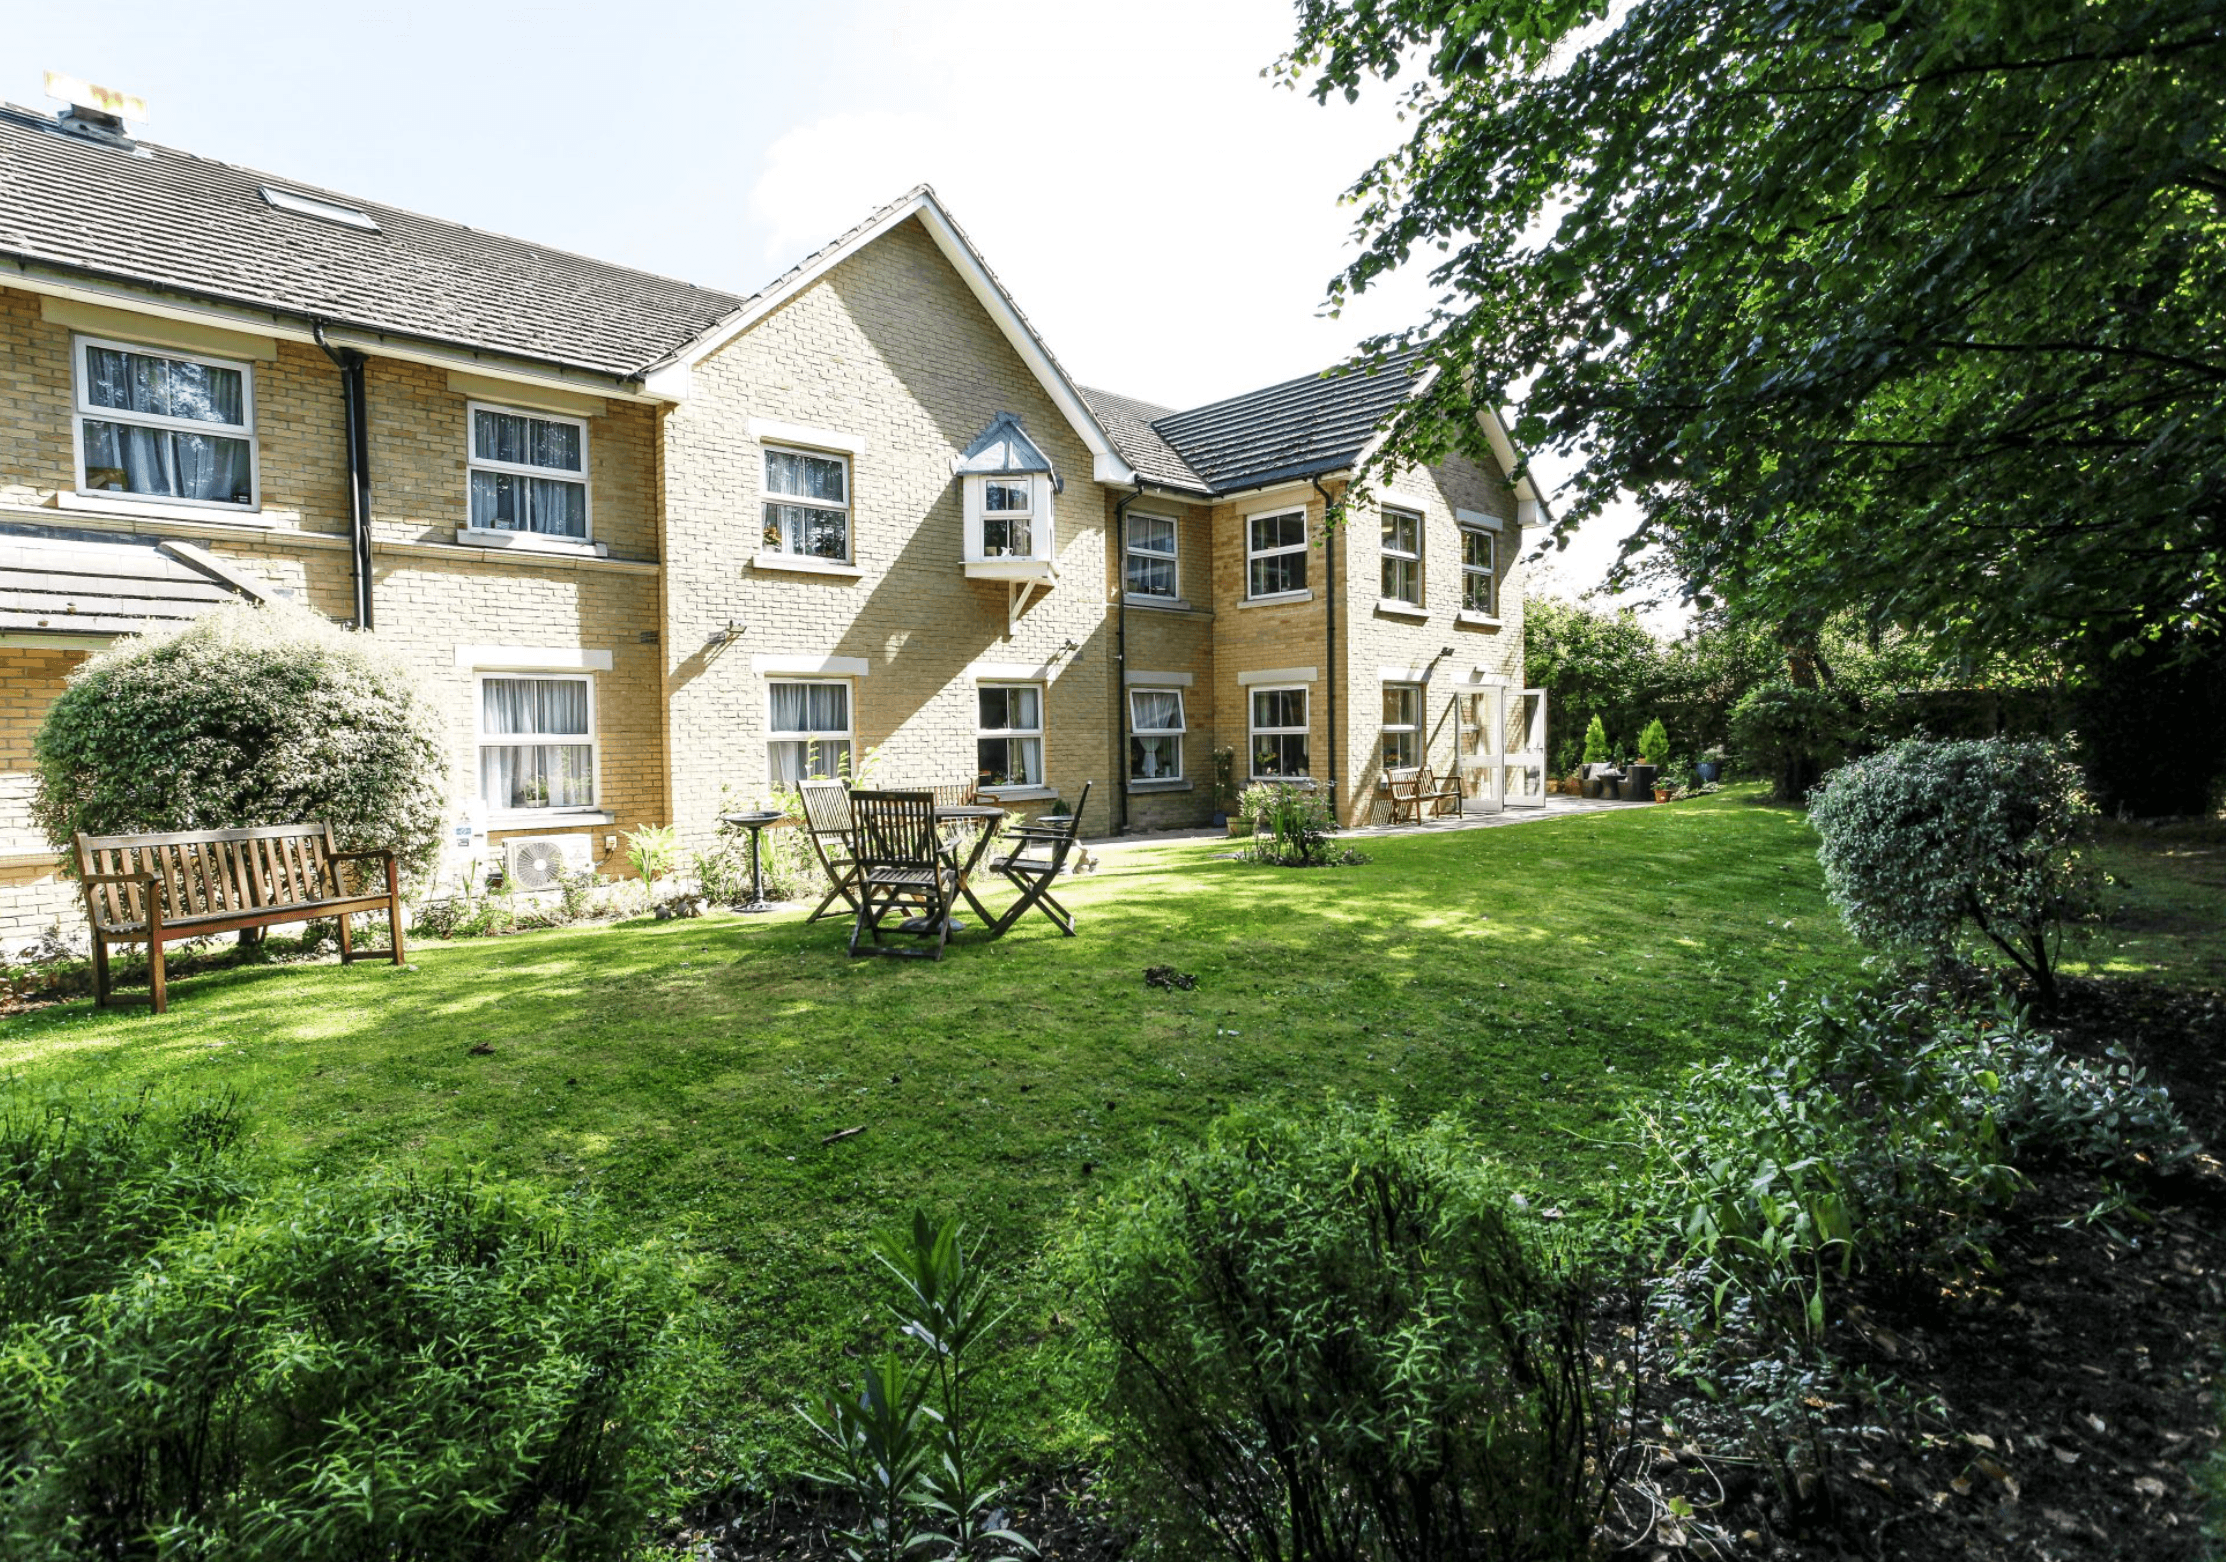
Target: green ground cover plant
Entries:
(1529, 980)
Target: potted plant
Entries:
(1653, 751)
(1710, 766)
(1595, 755)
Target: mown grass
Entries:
(1526, 979)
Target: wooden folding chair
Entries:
(1039, 855)
(901, 867)
(827, 824)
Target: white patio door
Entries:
(1480, 716)
(1523, 771)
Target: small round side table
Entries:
(755, 823)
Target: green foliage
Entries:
(1299, 822)
(907, 1447)
(654, 850)
(1654, 743)
(361, 1367)
(1928, 843)
(247, 716)
(1595, 742)
(1879, 368)
(1337, 1338)
(1792, 735)
(1595, 666)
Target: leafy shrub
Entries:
(1335, 1338)
(1595, 742)
(247, 716)
(352, 1369)
(654, 850)
(1792, 734)
(1299, 822)
(1928, 842)
(1654, 743)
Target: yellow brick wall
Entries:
(32, 890)
(1160, 640)
(1259, 637)
(891, 347)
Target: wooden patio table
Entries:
(983, 817)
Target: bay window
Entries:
(164, 425)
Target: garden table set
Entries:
(911, 857)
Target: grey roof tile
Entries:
(59, 581)
(170, 219)
(1128, 423)
(1299, 428)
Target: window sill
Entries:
(1401, 609)
(1017, 794)
(804, 564)
(511, 820)
(1042, 571)
(1174, 784)
(1160, 604)
(1476, 620)
(1280, 599)
(105, 503)
(1303, 783)
(530, 542)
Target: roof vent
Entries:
(94, 113)
(318, 207)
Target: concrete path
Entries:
(1558, 806)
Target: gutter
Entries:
(1329, 619)
(359, 467)
(1120, 655)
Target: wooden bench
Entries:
(159, 889)
(1415, 788)
(1444, 797)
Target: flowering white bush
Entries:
(1929, 842)
(247, 716)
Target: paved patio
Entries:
(1558, 806)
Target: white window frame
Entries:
(1043, 712)
(848, 736)
(1410, 728)
(1388, 553)
(474, 462)
(1280, 550)
(1136, 729)
(767, 449)
(81, 376)
(1254, 732)
(1173, 557)
(1489, 575)
(482, 740)
(1042, 539)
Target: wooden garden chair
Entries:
(827, 823)
(901, 867)
(1039, 855)
(1406, 793)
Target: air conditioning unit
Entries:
(532, 862)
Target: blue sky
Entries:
(1167, 217)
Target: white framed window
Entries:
(1008, 734)
(807, 503)
(160, 424)
(528, 472)
(1402, 725)
(1402, 557)
(536, 741)
(807, 730)
(1279, 733)
(1151, 557)
(1155, 734)
(1479, 571)
(1275, 553)
(1008, 518)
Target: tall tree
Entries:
(1912, 309)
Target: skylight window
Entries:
(323, 210)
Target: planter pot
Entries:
(1708, 770)
(1639, 781)
(1236, 827)
(1663, 794)
(1221, 821)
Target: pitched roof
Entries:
(58, 581)
(1129, 422)
(1299, 428)
(166, 218)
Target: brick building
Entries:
(664, 548)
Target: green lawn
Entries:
(1525, 978)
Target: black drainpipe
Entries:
(359, 466)
(1329, 651)
(1120, 654)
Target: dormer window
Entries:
(1008, 487)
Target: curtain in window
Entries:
(542, 707)
(1155, 710)
(1154, 758)
(537, 775)
(163, 387)
(804, 477)
(811, 707)
(126, 458)
(807, 760)
(504, 501)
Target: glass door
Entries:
(1480, 712)
(1523, 769)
